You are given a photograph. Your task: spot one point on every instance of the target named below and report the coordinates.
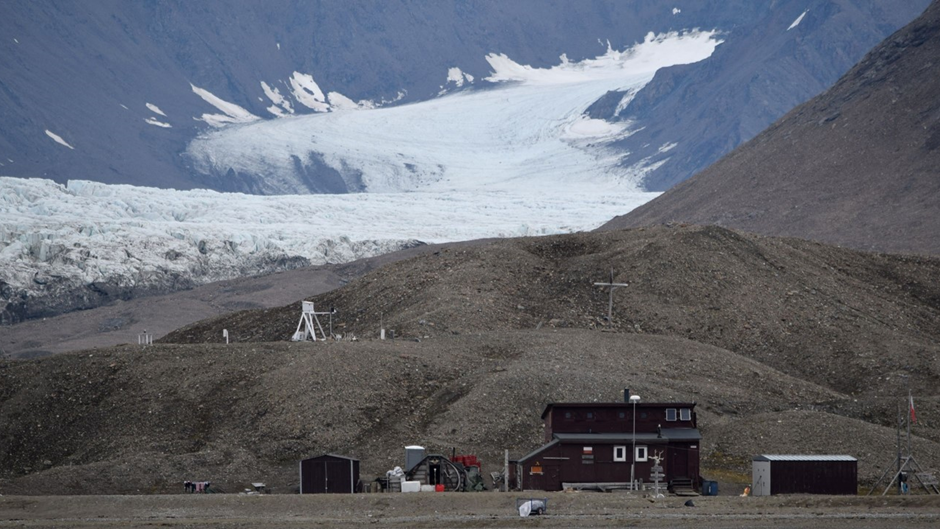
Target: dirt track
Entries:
(463, 510)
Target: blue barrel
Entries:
(709, 488)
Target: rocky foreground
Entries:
(467, 510)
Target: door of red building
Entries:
(678, 463)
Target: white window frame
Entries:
(685, 414)
(622, 458)
(675, 415)
(641, 449)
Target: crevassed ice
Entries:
(88, 231)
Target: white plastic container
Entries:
(411, 486)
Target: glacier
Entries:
(56, 240)
(515, 130)
(506, 156)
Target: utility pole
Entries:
(610, 304)
(899, 448)
(909, 403)
(633, 400)
(908, 469)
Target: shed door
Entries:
(760, 477)
(336, 475)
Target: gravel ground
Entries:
(464, 510)
(134, 420)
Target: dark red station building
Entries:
(592, 445)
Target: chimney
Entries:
(626, 394)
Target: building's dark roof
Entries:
(539, 450)
(682, 434)
(331, 455)
(803, 457)
(616, 405)
(668, 434)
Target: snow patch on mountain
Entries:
(798, 20)
(666, 147)
(155, 122)
(513, 137)
(58, 139)
(282, 105)
(458, 77)
(307, 92)
(232, 113)
(155, 109)
(340, 102)
(625, 101)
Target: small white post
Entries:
(225, 335)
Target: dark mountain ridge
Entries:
(84, 71)
(855, 166)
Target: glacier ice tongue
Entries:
(145, 239)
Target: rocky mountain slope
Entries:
(855, 166)
(798, 50)
(836, 317)
(115, 92)
(786, 345)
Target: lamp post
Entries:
(633, 399)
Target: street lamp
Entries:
(633, 400)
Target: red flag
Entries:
(913, 415)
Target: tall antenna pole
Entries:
(910, 398)
(899, 448)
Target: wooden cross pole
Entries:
(610, 304)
